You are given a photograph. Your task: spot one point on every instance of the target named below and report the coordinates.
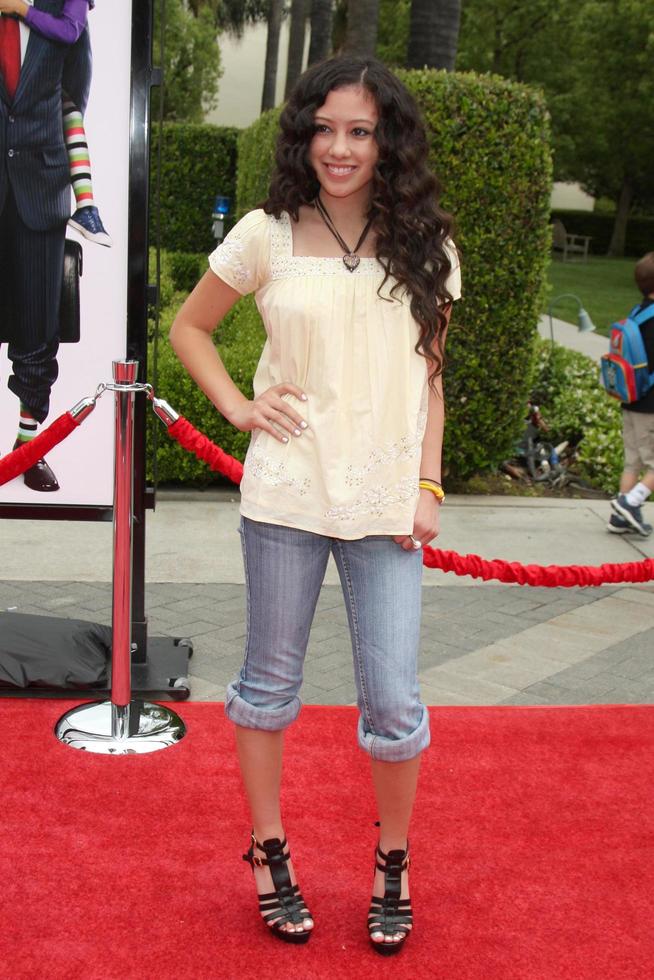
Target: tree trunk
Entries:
(275, 10)
(322, 17)
(361, 36)
(619, 234)
(299, 11)
(434, 33)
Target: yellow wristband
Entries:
(437, 490)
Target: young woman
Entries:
(354, 274)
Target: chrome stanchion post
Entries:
(121, 661)
(121, 726)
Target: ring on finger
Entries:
(416, 544)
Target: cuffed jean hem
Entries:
(247, 715)
(384, 749)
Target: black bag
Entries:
(69, 316)
(43, 651)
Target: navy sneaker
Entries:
(618, 525)
(632, 515)
(87, 222)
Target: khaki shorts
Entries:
(638, 438)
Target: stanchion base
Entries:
(142, 727)
(163, 676)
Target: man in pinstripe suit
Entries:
(34, 209)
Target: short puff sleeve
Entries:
(242, 260)
(453, 283)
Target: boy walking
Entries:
(637, 480)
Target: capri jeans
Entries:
(284, 570)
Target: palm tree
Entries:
(275, 11)
(322, 17)
(299, 11)
(433, 33)
(361, 35)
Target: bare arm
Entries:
(191, 338)
(432, 443)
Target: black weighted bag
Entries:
(43, 651)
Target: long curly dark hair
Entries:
(410, 226)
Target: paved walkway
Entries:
(482, 643)
(568, 335)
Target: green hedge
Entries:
(490, 146)
(640, 231)
(197, 163)
(256, 157)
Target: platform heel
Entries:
(285, 904)
(391, 914)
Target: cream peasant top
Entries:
(354, 470)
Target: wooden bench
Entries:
(569, 246)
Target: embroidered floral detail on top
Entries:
(228, 257)
(376, 500)
(284, 264)
(273, 472)
(406, 448)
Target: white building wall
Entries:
(571, 197)
(243, 60)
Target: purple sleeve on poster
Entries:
(65, 27)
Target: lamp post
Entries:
(220, 212)
(584, 322)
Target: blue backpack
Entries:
(625, 371)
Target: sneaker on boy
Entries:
(87, 222)
(633, 515)
(618, 525)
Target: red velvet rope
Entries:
(189, 438)
(448, 561)
(16, 462)
(547, 575)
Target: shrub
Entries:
(186, 268)
(640, 231)
(197, 163)
(490, 146)
(256, 156)
(577, 409)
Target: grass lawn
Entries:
(605, 287)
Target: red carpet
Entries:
(532, 844)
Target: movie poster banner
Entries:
(63, 284)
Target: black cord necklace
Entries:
(350, 258)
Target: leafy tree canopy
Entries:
(609, 111)
(594, 60)
(191, 61)
(393, 33)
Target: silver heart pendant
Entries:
(351, 261)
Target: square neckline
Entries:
(368, 262)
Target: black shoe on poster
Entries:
(39, 477)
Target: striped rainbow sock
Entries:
(28, 426)
(78, 155)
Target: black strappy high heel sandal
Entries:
(390, 914)
(285, 904)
